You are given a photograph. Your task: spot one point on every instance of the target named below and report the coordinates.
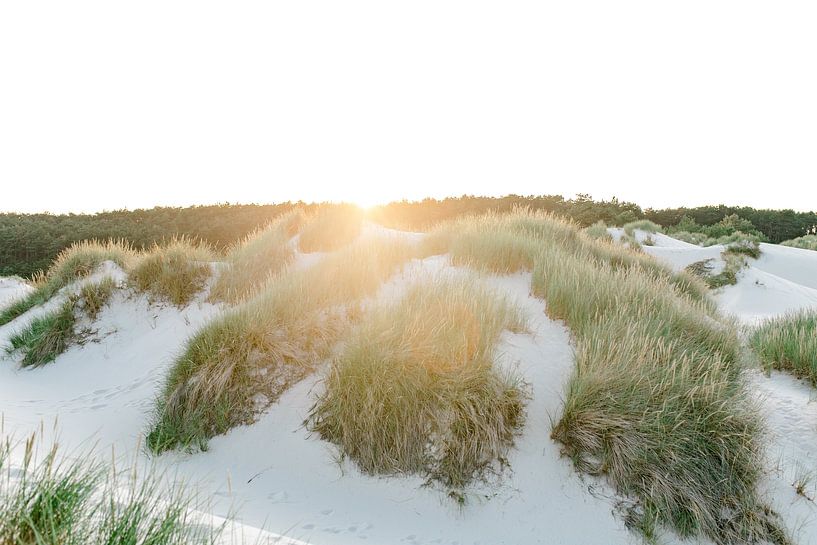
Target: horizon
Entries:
(375, 205)
(112, 107)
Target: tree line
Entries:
(29, 242)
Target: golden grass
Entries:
(331, 227)
(657, 402)
(174, 272)
(243, 360)
(415, 389)
(73, 263)
(252, 261)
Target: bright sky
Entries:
(108, 104)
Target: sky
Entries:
(110, 105)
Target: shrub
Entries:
(807, 242)
(789, 344)
(46, 337)
(77, 261)
(243, 360)
(733, 263)
(330, 228)
(744, 247)
(175, 272)
(415, 389)
(689, 231)
(255, 259)
(54, 501)
(598, 231)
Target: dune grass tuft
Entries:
(57, 501)
(598, 231)
(173, 272)
(73, 263)
(331, 227)
(243, 360)
(93, 296)
(415, 389)
(657, 402)
(252, 261)
(789, 344)
(47, 336)
(806, 242)
(642, 225)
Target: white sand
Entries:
(283, 479)
(12, 289)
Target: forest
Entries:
(29, 242)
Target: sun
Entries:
(366, 200)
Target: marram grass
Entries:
(789, 343)
(252, 261)
(245, 359)
(73, 263)
(49, 335)
(54, 500)
(46, 337)
(598, 231)
(331, 227)
(415, 389)
(657, 402)
(173, 272)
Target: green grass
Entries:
(330, 228)
(806, 242)
(789, 344)
(415, 389)
(243, 360)
(57, 501)
(47, 336)
(744, 247)
(50, 335)
(509, 243)
(73, 263)
(255, 259)
(657, 402)
(642, 225)
(734, 262)
(692, 238)
(598, 231)
(173, 272)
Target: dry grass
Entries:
(252, 262)
(242, 361)
(657, 402)
(415, 389)
(173, 272)
(73, 263)
(94, 296)
(331, 227)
